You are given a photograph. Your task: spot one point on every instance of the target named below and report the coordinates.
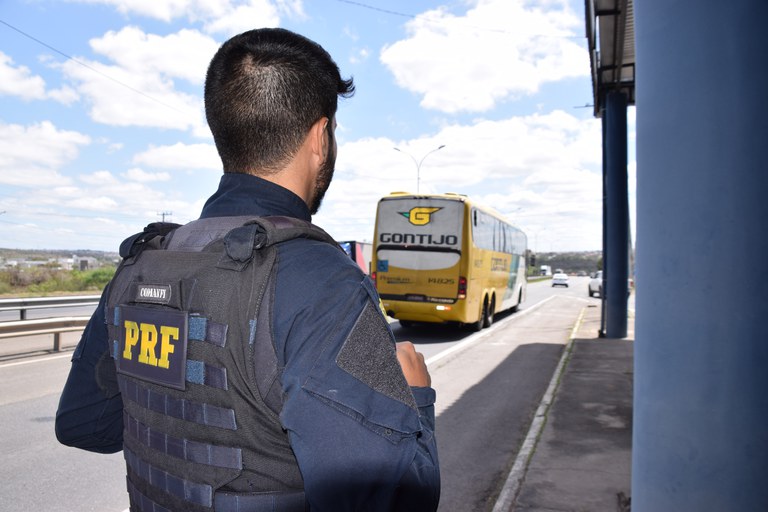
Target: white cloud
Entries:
(184, 54)
(514, 147)
(31, 156)
(500, 49)
(180, 156)
(542, 171)
(486, 150)
(139, 88)
(99, 178)
(164, 10)
(228, 17)
(136, 174)
(65, 95)
(128, 195)
(239, 18)
(128, 99)
(359, 56)
(95, 203)
(19, 81)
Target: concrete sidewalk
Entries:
(582, 460)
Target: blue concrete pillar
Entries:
(603, 126)
(701, 351)
(616, 211)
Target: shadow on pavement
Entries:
(480, 434)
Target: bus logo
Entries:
(420, 215)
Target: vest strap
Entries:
(202, 414)
(260, 502)
(140, 502)
(203, 329)
(206, 375)
(187, 490)
(185, 449)
(232, 502)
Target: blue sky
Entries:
(102, 128)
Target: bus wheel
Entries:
(488, 314)
(516, 307)
(478, 326)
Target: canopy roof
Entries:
(611, 38)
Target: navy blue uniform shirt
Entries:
(357, 449)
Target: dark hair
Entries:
(264, 90)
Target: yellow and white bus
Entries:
(442, 258)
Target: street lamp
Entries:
(418, 164)
(511, 214)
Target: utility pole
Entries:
(163, 215)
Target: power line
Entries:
(372, 8)
(91, 68)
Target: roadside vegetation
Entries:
(49, 279)
(46, 281)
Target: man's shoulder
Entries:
(316, 260)
(318, 250)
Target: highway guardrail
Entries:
(55, 326)
(22, 305)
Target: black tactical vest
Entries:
(189, 314)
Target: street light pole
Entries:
(418, 163)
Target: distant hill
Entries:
(50, 254)
(571, 262)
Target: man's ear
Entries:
(319, 142)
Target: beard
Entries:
(324, 175)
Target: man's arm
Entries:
(363, 438)
(419, 488)
(90, 413)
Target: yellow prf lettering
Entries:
(145, 336)
(148, 342)
(166, 347)
(131, 338)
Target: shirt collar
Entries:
(245, 194)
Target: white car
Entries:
(560, 279)
(596, 284)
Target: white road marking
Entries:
(36, 360)
(474, 337)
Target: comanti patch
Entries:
(153, 293)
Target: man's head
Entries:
(264, 91)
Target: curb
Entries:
(514, 480)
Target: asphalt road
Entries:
(488, 384)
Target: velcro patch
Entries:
(368, 354)
(152, 345)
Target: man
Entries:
(353, 426)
